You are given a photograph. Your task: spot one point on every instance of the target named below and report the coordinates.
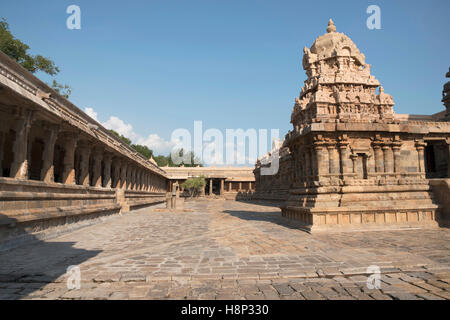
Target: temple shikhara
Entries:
(351, 162)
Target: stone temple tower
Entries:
(446, 96)
(356, 164)
(339, 87)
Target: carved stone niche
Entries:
(360, 159)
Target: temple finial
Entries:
(331, 26)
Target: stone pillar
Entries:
(130, 181)
(230, 185)
(19, 165)
(124, 175)
(2, 148)
(250, 186)
(129, 177)
(379, 162)
(116, 176)
(84, 149)
(240, 186)
(97, 155)
(222, 186)
(420, 146)
(47, 172)
(137, 179)
(210, 186)
(69, 141)
(448, 158)
(144, 181)
(107, 160)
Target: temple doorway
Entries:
(212, 186)
(436, 159)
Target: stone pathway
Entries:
(226, 250)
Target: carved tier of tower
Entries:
(339, 87)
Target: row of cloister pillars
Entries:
(40, 150)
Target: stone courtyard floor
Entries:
(219, 249)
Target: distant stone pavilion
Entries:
(350, 162)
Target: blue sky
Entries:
(160, 65)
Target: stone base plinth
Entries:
(370, 207)
(358, 219)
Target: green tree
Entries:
(194, 186)
(18, 51)
(193, 162)
(121, 137)
(63, 90)
(144, 150)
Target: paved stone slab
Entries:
(226, 250)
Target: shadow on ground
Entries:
(267, 216)
(27, 268)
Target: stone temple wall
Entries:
(57, 165)
(354, 163)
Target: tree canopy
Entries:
(194, 185)
(19, 51)
(161, 160)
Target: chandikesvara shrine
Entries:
(350, 161)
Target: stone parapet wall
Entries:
(137, 199)
(27, 207)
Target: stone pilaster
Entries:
(334, 160)
(346, 166)
(19, 165)
(321, 160)
(379, 158)
(97, 155)
(84, 152)
(388, 159)
(354, 158)
(307, 154)
(69, 142)
(107, 160)
(420, 146)
(47, 171)
(397, 158)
